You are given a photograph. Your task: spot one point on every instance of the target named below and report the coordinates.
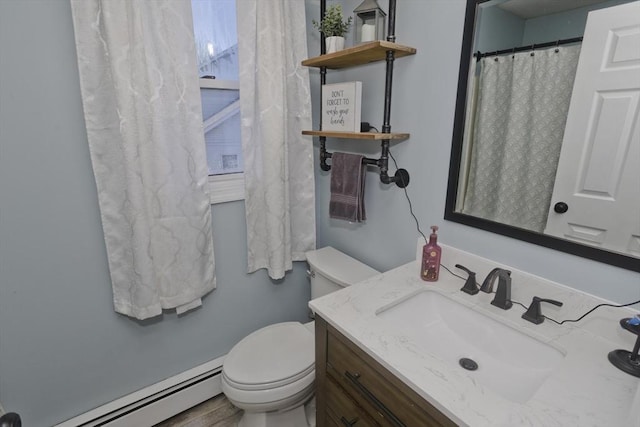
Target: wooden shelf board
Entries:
(371, 136)
(358, 55)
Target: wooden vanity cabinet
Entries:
(352, 389)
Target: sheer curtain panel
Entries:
(139, 82)
(275, 106)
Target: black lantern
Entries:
(370, 22)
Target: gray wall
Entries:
(63, 350)
(503, 30)
(564, 25)
(424, 95)
(500, 29)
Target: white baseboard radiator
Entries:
(158, 402)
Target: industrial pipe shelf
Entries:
(365, 53)
(370, 136)
(359, 55)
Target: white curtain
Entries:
(522, 107)
(275, 106)
(139, 82)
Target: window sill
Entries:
(226, 188)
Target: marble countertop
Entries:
(584, 390)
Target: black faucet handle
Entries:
(470, 286)
(534, 313)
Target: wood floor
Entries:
(216, 412)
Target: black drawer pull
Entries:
(348, 423)
(354, 378)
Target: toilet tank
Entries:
(331, 270)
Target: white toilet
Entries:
(270, 373)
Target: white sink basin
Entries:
(510, 363)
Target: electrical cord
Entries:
(406, 193)
(549, 318)
(588, 312)
(454, 274)
(411, 206)
(515, 302)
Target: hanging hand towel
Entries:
(347, 187)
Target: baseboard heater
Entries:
(157, 402)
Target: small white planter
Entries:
(334, 44)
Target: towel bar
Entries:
(400, 178)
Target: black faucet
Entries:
(534, 314)
(10, 419)
(503, 294)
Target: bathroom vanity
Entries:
(389, 351)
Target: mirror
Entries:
(540, 152)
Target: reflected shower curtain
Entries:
(141, 99)
(521, 113)
(275, 106)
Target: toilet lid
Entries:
(273, 356)
(338, 267)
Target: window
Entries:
(214, 23)
(221, 114)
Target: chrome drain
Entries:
(468, 364)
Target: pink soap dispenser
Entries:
(431, 257)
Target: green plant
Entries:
(332, 24)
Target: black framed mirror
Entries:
(465, 172)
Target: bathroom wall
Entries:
(563, 25)
(63, 350)
(423, 102)
(503, 30)
(500, 30)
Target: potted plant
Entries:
(334, 27)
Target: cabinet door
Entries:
(383, 396)
(342, 410)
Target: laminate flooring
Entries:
(215, 412)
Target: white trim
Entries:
(158, 402)
(219, 84)
(2, 411)
(222, 115)
(226, 188)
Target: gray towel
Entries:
(347, 187)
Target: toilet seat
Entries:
(270, 399)
(272, 364)
(267, 386)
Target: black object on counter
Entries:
(628, 361)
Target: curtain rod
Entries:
(478, 55)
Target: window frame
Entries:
(226, 187)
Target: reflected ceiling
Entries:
(533, 8)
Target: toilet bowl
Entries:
(270, 373)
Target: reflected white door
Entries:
(598, 174)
